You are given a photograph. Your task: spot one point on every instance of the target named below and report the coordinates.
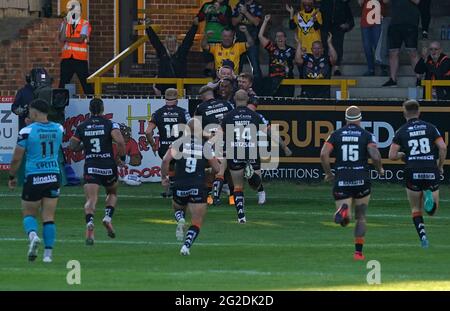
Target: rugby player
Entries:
(189, 187)
(39, 144)
(352, 146)
(212, 111)
(96, 136)
(167, 120)
(417, 143)
(241, 127)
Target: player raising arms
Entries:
(39, 143)
(352, 147)
(96, 136)
(189, 187)
(167, 120)
(241, 127)
(418, 141)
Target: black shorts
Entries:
(421, 179)
(397, 34)
(184, 194)
(105, 177)
(162, 150)
(41, 186)
(355, 192)
(236, 165)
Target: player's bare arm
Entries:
(376, 158)
(442, 147)
(325, 160)
(75, 144)
(395, 154)
(19, 152)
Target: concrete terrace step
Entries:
(359, 69)
(375, 82)
(383, 92)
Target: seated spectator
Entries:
(227, 50)
(249, 13)
(217, 16)
(172, 58)
(436, 66)
(316, 65)
(337, 19)
(281, 62)
(371, 17)
(308, 22)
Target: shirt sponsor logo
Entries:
(424, 176)
(351, 183)
(185, 193)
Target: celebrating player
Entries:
(189, 187)
(96, 136)
(352, 146)
(39, 143)
(167, 120)
(418, 141)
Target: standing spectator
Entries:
(337, 19)
(425, 16)
(371, 17)
(75, 33)
(249, 13)
(228, 51)
(172, 58)
(217, 16)
(436, 66)
(281, 62)
(316, 66)
(22, 101)
(307, 22)
(403, 28)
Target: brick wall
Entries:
(36, 47)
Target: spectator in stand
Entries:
(217, 16)
(245, 82)
(317, 65)
(249, 13)
(425, 16)
(371, 18)
(403, 28)
(281, 62)
(224, 72)
(436, 66)
(308, 22)
(172, 57)
(226, 90)
(337, 19)
(228, 50)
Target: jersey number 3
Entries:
(95, 142)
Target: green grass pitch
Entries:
(291, 243)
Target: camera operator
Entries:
(23, 98)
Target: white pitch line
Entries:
(262, 244)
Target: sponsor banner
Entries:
(135, 113)
(8, 131)
(305, 125)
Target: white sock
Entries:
(48, 252)
(32, 235)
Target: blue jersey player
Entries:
(39, 144)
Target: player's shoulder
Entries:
(57, 126)
(27, 129)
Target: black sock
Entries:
(239, 203)
(358, 247)
(191, 235)
(109, 211)
(209, 190)
(260, 188)
(231, 187)
(89, 218)
(217, 187)
(171, 183)
(420, 226)
(179, 214)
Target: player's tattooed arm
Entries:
(120, 142)
(18, 154)
(165, 166)
(442, 153)
(376, 158)
(325, 161)
(395, 154)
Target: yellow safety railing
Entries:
(429, 84)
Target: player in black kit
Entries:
(189, 187)
(241, 127)
(352, 146)
(212, 111)
(417, 143)
(167, 120)
(96, 136)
